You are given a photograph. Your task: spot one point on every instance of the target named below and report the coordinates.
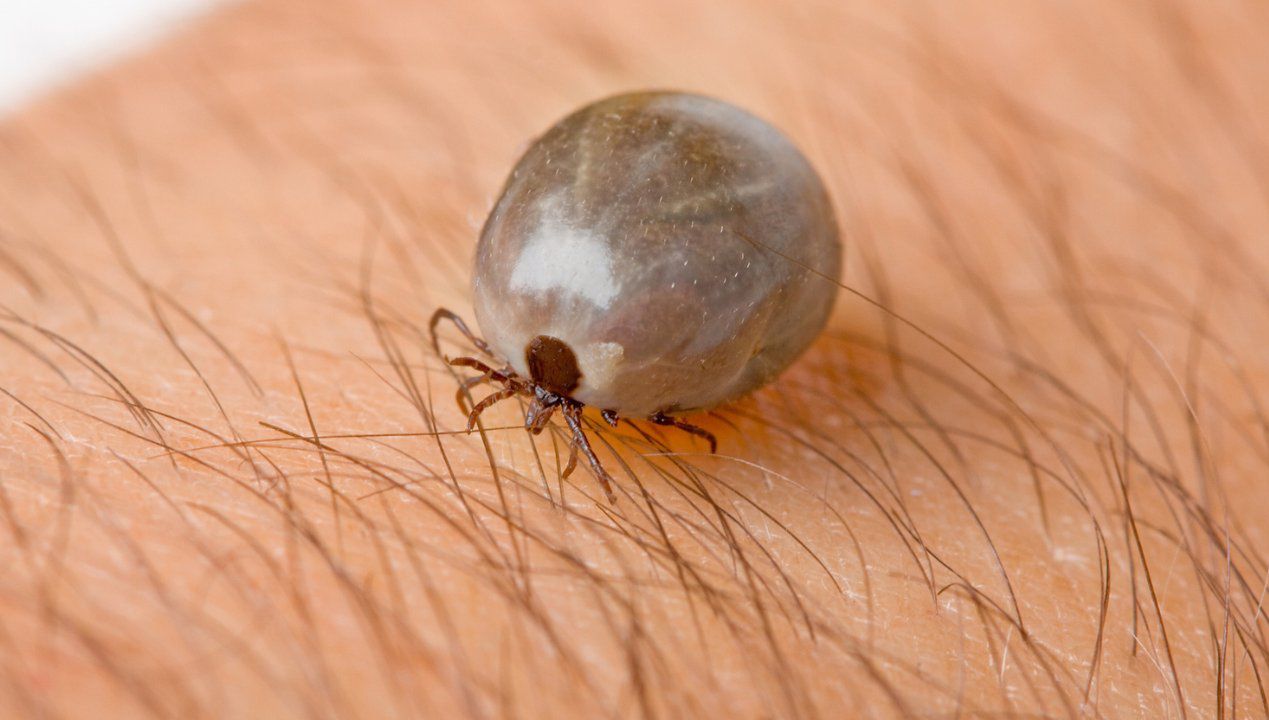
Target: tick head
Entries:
(552, 365)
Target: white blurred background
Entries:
(45, 42)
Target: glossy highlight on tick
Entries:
(652, 254)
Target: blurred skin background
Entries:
(1023, 473)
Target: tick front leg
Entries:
(446, 314)
(502, 376)
(573, 416)
(572, 460)
(663, 419)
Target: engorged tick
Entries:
(602, 274)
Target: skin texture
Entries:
(682, 248)
(1022, 473)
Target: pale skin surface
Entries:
(238, 238)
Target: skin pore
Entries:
(1021, 474)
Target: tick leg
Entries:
(460, 395)
(572, 460)
(573, 415)
(445, 314)
(663, 419)
(502, 376)
(538, 414)
(484, 405)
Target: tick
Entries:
(652, 254)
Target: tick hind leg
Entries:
(465, 387)
(510, 384)
(506, 376)
(487, 403)
(663, 419)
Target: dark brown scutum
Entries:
(552, 364)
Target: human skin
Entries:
(1021, 474)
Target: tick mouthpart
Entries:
(552, 365)
(540, 410)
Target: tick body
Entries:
(652, 254)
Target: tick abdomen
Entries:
(677, 244)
